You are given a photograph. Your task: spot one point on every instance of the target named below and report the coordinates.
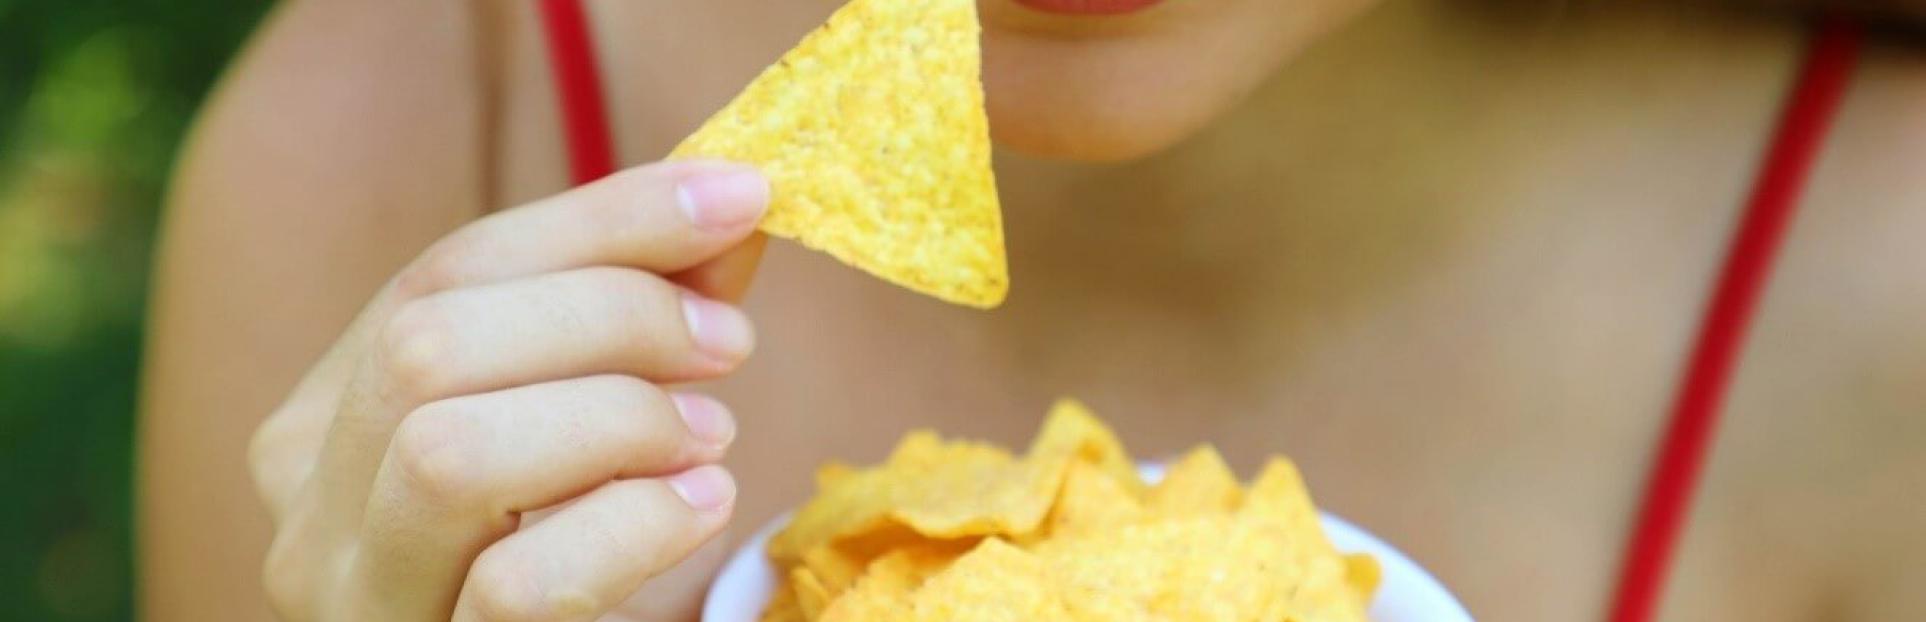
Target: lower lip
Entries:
(1089, 7)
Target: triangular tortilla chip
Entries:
(1070, 429)
(873, 134)
(1200, 483)
(1090, 500)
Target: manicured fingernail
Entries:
(723, 196)
(708, 420)
(719, 330)
(705, 488)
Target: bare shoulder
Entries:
(343, 115)
(1854, 256)
(1855, 267)
(344, 90)
(1820, 457)
(1885, 286)
(348, 135)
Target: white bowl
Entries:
(1408, 593)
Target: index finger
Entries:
(663, 218)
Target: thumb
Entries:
(727, 276)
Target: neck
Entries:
(1402, 141)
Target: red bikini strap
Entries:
(1822, 81)
(578, 85)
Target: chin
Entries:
(1093, 123)
(1108, 90)
(1086, 138)
(1103, 101)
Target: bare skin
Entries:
(1448, 261)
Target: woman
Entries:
(1451, 255)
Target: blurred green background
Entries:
(94, 98)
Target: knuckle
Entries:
(275, 469)
(415, 346)
(428, 449)
(265, 448)
(500, 590)
(287, 578)
(436, 269)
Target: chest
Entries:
(1500, 437)
(1465, 320)
(1486, 390)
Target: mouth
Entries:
(1089, 7)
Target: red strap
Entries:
(578, 82)
(1674, 478)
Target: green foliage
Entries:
(94, 97)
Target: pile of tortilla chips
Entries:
(962, 531)
(873, 134)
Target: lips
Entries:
(1089, 7)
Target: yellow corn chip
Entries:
(883, 592)
(1091, 499)
(996, 582)
(990, 498)
(1363, 574)
(1278, 496)
(832, 568)
(984, 498)
(922, 561)
(1203, 567)
(873, 135)
(831, 472)
(1199, 483)
(878, 540)
(1320, 594)
(783, 606)
(939, 490)
(919, 448)
(927, 536)
(1323, 591)
(1227, 572)
(811, 596)
(861, 500)
(836, 567)
(1071, 429)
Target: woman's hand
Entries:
(519, 365)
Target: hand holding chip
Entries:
(515, 367)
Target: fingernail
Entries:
(719, 330)
(708, 420)
(723, 196)
(704, 488)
